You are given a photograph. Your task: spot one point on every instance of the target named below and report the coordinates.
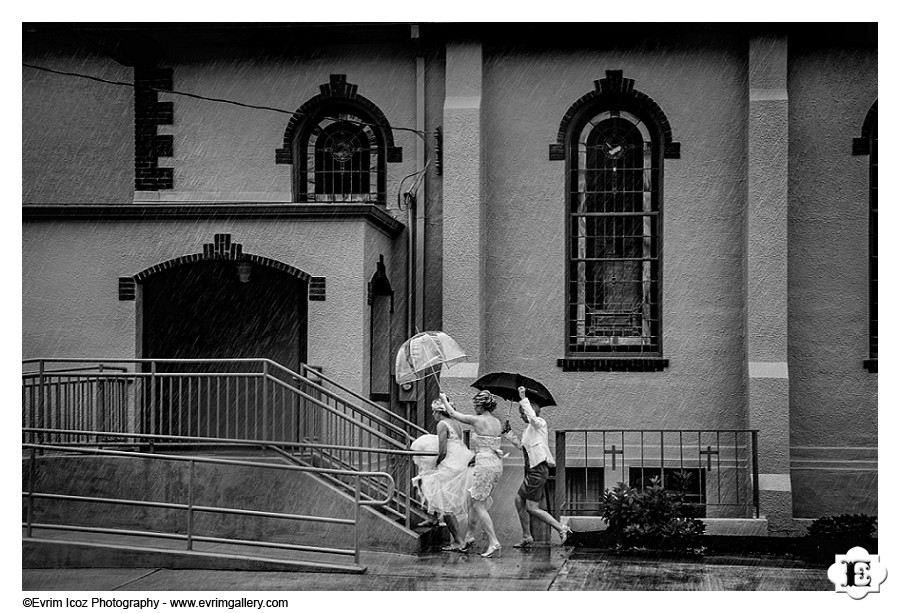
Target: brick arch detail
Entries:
(338, 90)
(244, 257)
(614, 90)
(861, 145)
(222, 249)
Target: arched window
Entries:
(614, 141)
(868, 144)
(344, 161)
(614, 262)
(338, 144)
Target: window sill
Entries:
(617, 364)
(871, 365)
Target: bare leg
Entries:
(486, 523)
(524, 518)
(453, 527)
(532, 508)
(473, 520)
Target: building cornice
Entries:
(371, 213)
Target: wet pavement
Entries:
(541, 569)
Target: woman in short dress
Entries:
(488, 464)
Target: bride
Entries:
(445, 485)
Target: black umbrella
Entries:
(506, 385)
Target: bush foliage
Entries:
(652, 518)
(856, 526)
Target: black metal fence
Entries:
(714, 470)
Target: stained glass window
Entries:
(614, 237)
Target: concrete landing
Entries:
(541, 569)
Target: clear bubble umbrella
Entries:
(425, 354)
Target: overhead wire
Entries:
(273, 109)
(418, 174)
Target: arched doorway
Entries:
(213, 309)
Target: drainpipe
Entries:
(419, 268)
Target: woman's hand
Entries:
(522, 394)
(446, 410)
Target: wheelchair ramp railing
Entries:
(186, 501)
(234, 399)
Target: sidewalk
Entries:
(544, 568)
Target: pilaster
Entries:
(463, 258)
(767, 258)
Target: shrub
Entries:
(856, 526)
(652, 518)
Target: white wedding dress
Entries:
(445, 488)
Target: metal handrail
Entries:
(334, 396)
(79, 371)
(30, 495)
(198, 441)
(278, 366)
(322, 405)
(653, 430)
(361, 422)
(402, 420)
(226, 441)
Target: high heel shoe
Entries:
(490, 551)
(564, 534)
(524, 544)
(465, 546)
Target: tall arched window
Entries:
(868, 144)
(614, 261)
(338, 143)
(614, 141)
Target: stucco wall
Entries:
(225, 151)
(70, 282)
(77, 135)
(833, 398)
(701, 86)
(376, 244)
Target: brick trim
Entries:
(612, 364)
(149, 113)
(220, 249)
(127, 288)
(317, 289)
(338, 89)
(614, 91)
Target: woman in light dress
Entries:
(444, 481)
(488, 464)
